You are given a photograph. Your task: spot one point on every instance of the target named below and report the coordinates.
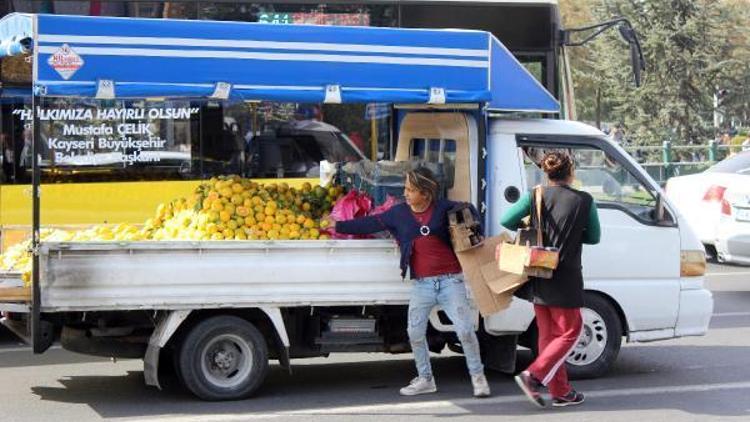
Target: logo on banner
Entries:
(65, 61)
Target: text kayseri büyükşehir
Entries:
(59, 145)
(124, 150)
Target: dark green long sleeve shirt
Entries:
(569, 219)
(511, 219)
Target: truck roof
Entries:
(544, 127)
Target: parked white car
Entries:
(716, 203)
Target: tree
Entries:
(691, 47)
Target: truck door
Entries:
(637, 262)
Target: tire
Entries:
(600, 341)
(530, 339)
(223, 358)
(711, 254)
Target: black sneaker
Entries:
(531, 388)
(571, 399)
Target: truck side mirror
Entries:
(662, 218)
(627, 32)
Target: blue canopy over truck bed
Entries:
(73, 55)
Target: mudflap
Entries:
(498, 352)
(43, 337)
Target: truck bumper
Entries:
(696, 308)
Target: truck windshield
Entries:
(596, 172)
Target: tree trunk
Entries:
(598, 108)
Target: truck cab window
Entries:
(440, 151)
(609, 182)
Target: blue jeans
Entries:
(450, 293)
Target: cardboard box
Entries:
(492, 289)
(465, 232)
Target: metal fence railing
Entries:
(667, 160)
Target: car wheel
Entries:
(223, 358)
(711, 253)
(599, 343)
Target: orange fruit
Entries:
(242, 211)
(226, 192)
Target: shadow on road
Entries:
(675, 372)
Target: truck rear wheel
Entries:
(223, 358)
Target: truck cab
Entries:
(635, 279)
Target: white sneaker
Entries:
(481, 387)
(418, 386)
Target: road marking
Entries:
(398, 408)
(209, 418)
(731, 314)
(23, 349)
(506, 399)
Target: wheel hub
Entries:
(591, 342)
(585, 338)
(227, 360)
(224, 359)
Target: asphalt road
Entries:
(689, 379)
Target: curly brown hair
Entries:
(558, 165)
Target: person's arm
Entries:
(367, 225)
(593, 232)
(511, 219)
(362, 225)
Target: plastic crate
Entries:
(383, 178)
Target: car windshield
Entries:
(738, 164)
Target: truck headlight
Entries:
(692, 263)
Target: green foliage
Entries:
(691, 47)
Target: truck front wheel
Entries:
(223, 358)
(599, 343)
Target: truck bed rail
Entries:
(88, 276)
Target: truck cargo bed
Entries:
(87, 276)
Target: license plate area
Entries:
(742, 214)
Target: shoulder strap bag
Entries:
(524, 258)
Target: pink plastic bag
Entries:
(390, 201)
(352, 205)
